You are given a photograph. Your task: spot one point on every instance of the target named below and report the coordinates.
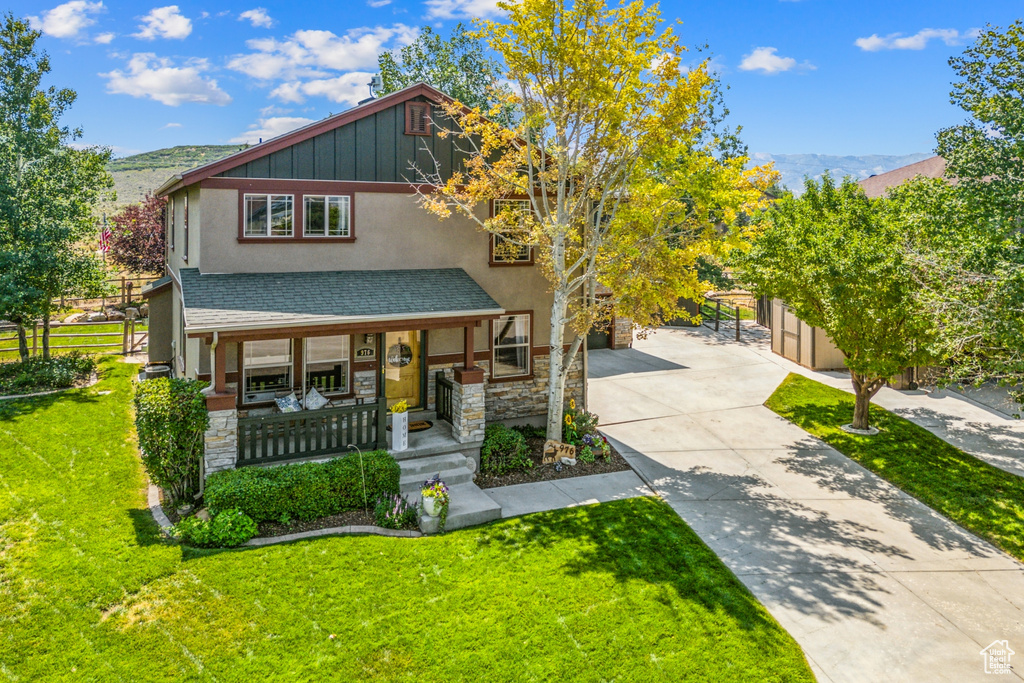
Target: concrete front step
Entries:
(412, 483)
(469, 506)
(432, 464)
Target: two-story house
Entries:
(306, 262)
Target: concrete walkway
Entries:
(873, 584)
(522, 499)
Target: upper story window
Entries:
(417, 118)
(511, 345)
(170, 221)
(184, 234)
(327, 216)
(269, 215)
(505, 251)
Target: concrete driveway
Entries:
(874, 585)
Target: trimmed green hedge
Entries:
(304, 491)
(504, 450)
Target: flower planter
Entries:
(431, 506)
(399, 431)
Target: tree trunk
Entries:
(556, 380)
(22, 342)
(46, 336)
(864, 390)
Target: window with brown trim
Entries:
(505, 252)
(417, 118)
(184, 234)
(512, 338)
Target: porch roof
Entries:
(225, 302)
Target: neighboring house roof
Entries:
(878, 185)
(156, 286)
(239, 301)
(213, 168)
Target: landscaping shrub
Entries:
(227, 529)
(37, 374)
(577, 424)
(170, 418)
(504, 450)
(393, 511)
(304, 491)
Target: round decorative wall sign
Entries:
(399, 355)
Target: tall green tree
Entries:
(840, 261)
(456, 65)
(973, 266)
(47, 189)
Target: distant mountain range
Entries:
(139, 174)
(794, 167)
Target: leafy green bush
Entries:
(304, 491)
(393, 511)
(170, 418)
(36, 374)
(586, 455)
(504, 450)
(577, 423)
(227, 529)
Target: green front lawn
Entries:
(977, 496)
(89, 590)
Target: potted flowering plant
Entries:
(400, 426)
(435, 499)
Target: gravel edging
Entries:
(153, 495)
(92, 382)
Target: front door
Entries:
(403, 368)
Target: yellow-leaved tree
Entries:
(611, 148)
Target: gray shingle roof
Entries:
(241, 300)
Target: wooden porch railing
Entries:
(443, 397)
(309, 433)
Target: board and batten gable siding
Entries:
(371, 149)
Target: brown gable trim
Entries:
(289, 185)
(203, 172)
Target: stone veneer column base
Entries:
(221, 441)
(468, 411)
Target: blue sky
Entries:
(806, 76)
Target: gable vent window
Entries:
(417, 118)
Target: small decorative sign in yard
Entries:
(554, 451)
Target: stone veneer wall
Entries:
(221, 441)
(468, 412)
(623, 333)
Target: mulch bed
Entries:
(350, 518)
(547, 472)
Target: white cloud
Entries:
(378, 3)
(258, 17)
(171, 125)
(67, 20)
(348, 89)
(164, 22)
(307, 54)
(264, 129)
(159, 79)
(918, 41)
(461, 9)
(104, 38)
(765, 60)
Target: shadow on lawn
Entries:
(18, 407)
(635, 540)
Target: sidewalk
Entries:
(522, 499)
(873, 584)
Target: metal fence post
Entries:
(737, 322)
(718, 313)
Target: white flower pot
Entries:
(432, 506)
(399, 431)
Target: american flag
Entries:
(105, 236)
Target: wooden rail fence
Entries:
(126, 341)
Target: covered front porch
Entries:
(289, 384)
